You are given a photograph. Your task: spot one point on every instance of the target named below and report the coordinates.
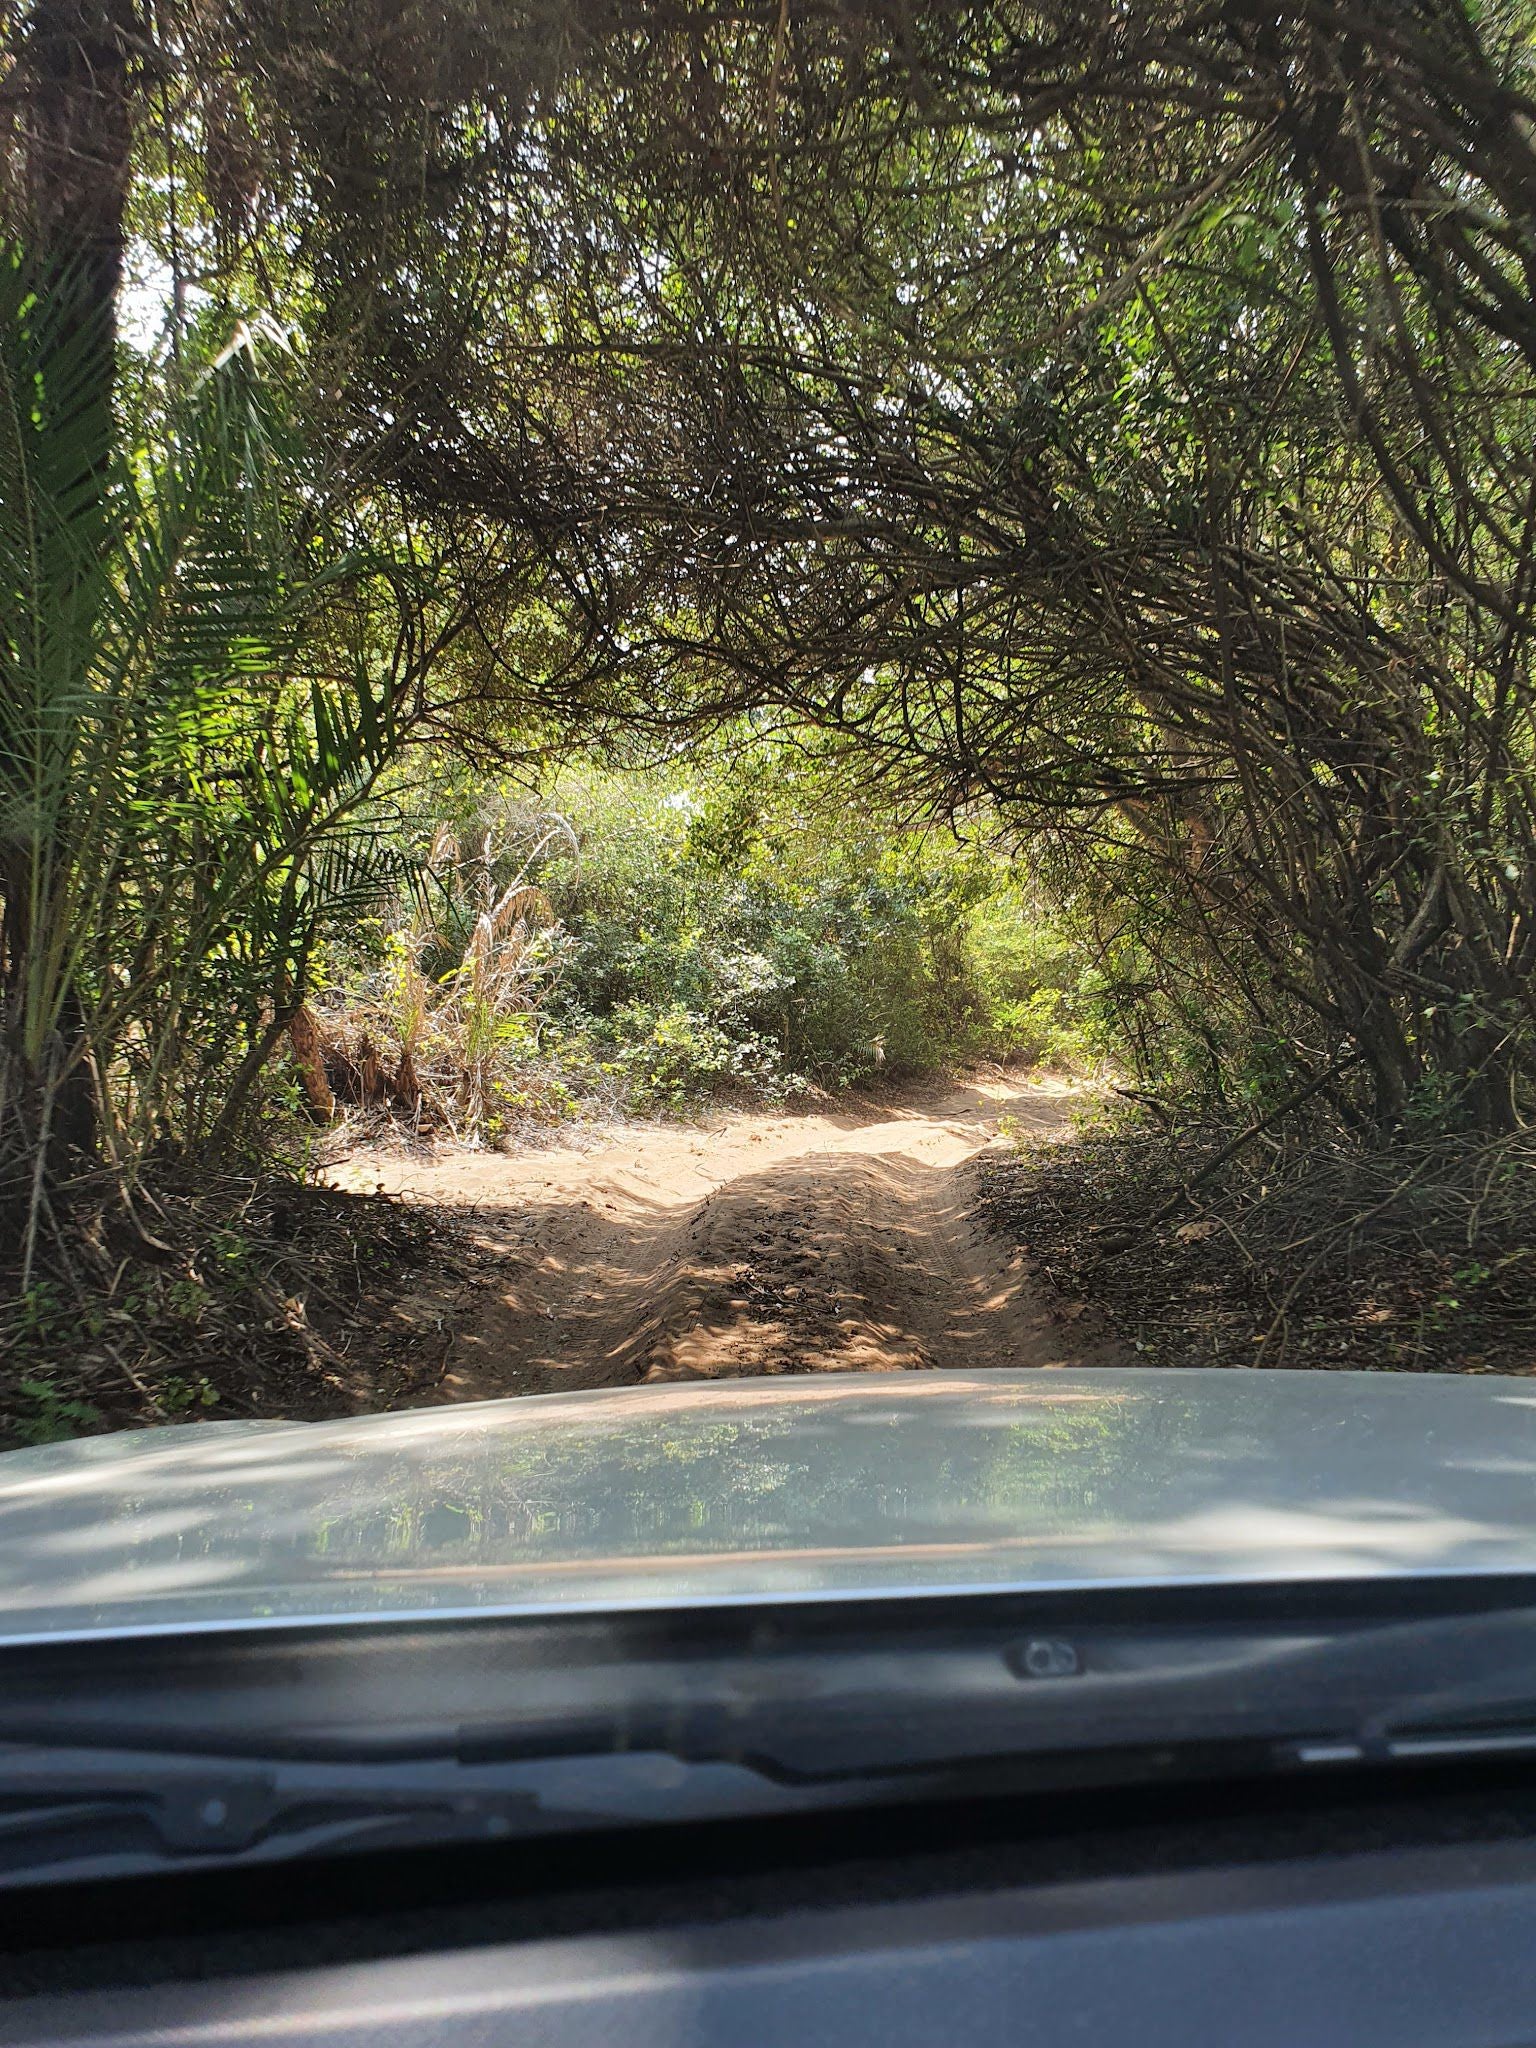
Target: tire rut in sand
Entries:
(838, 1241)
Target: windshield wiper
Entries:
(83, 1814)
(565, 1732)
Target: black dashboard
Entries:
(1375, 1911)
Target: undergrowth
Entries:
(1307, 1249)
(636, 944)
(215, 1296)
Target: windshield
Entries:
(767, 843)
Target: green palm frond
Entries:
(188, 733)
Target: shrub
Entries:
(644, 939)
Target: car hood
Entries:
(855, 1485)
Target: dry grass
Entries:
(1306, 1251)
(449, 1050)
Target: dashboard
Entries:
(1222, 1918)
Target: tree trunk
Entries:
(76, 125)
(307, 1042)
(73, 133)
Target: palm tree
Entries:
(193, 718)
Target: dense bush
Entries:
(728, 929)
(687, 933)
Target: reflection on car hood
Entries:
(847, 1484)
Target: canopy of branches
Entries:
(1117, 416)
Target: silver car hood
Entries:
(858, 1485)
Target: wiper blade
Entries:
(1096, 1690)
(269, 1756)
(65, 1801)
(67, 1813)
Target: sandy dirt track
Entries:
(832, 1240)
